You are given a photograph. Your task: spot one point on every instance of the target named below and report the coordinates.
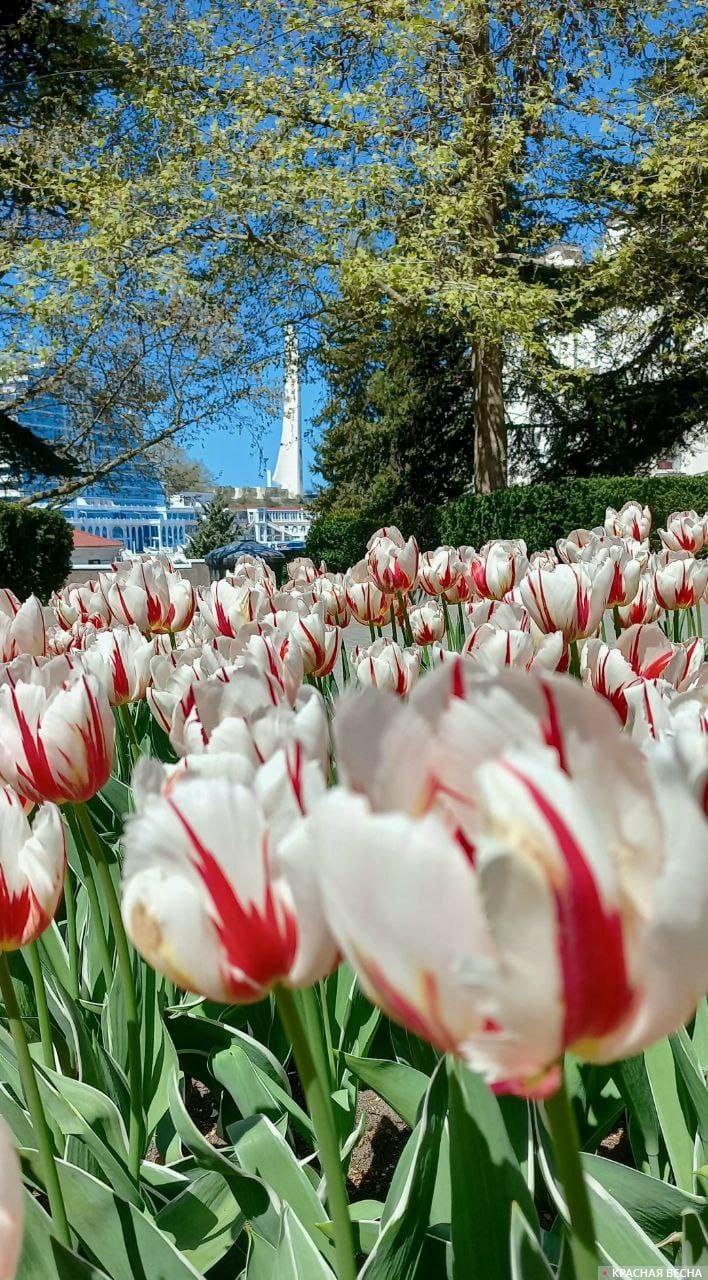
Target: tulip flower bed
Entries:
(460, 860)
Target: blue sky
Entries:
(235, 458)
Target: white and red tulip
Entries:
(206, 899)
(318, 643)
(32, 869)
(56, 740)
(151, 596)
(368, 604)
(392, 561)
(493, 648)
(680, 584)
(386, 665)
(121, 659)
(427, 622)
(686, 532)
(498, 567)
(440, 571)
(568, 877)
(22, 627)
(570, 599)
(631, 521)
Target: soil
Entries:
(377, 1153)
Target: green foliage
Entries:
(21, 451)
(216, 528)
(398, 422)
(541, 513)
(35, 550)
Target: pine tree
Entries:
(216, 528)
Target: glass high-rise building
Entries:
(127, 506)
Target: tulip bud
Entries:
(22, 627)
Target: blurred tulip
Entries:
(685, 531)
(631, 521)
(22, 627)
(543, 559)
(11, 1205)
(81, 604)
(329, 592)
(32, 867)
(56, 742)
(120, 660)
(568, 876)
(503, 615)
(392, 562)
(570, 599)
(151, 596)
(205, 898)
(427, 622)
(680, 584)
(440, 571)
(498, 567)
(302, 570)
(386, 666)
(493, 649)
(570, 549)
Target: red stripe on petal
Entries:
(424, 1020)
(258, 942)
(596, 990)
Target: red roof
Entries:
(82, 540)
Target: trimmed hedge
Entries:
(341, 540)
(35, 550)
(541, 513)
(538, 513)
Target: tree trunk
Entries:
(490, 437)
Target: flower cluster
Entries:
(556, 823)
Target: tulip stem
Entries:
(33, 1099)
(566, 1144)
(574, 667)
(617, 621)
(72, 940)
(312, 1068)
(394, 632)
(40, 999)
(131, 735)
(104, 954)
(125, 970)
(406, 622)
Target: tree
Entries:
(257, 164)
(178, 472)
(639, 394)
(398, 418)
(216, 528)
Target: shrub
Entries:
(341, 540)
(35, 550)
(541, 513)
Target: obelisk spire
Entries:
(288, 468)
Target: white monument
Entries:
(288, 468)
